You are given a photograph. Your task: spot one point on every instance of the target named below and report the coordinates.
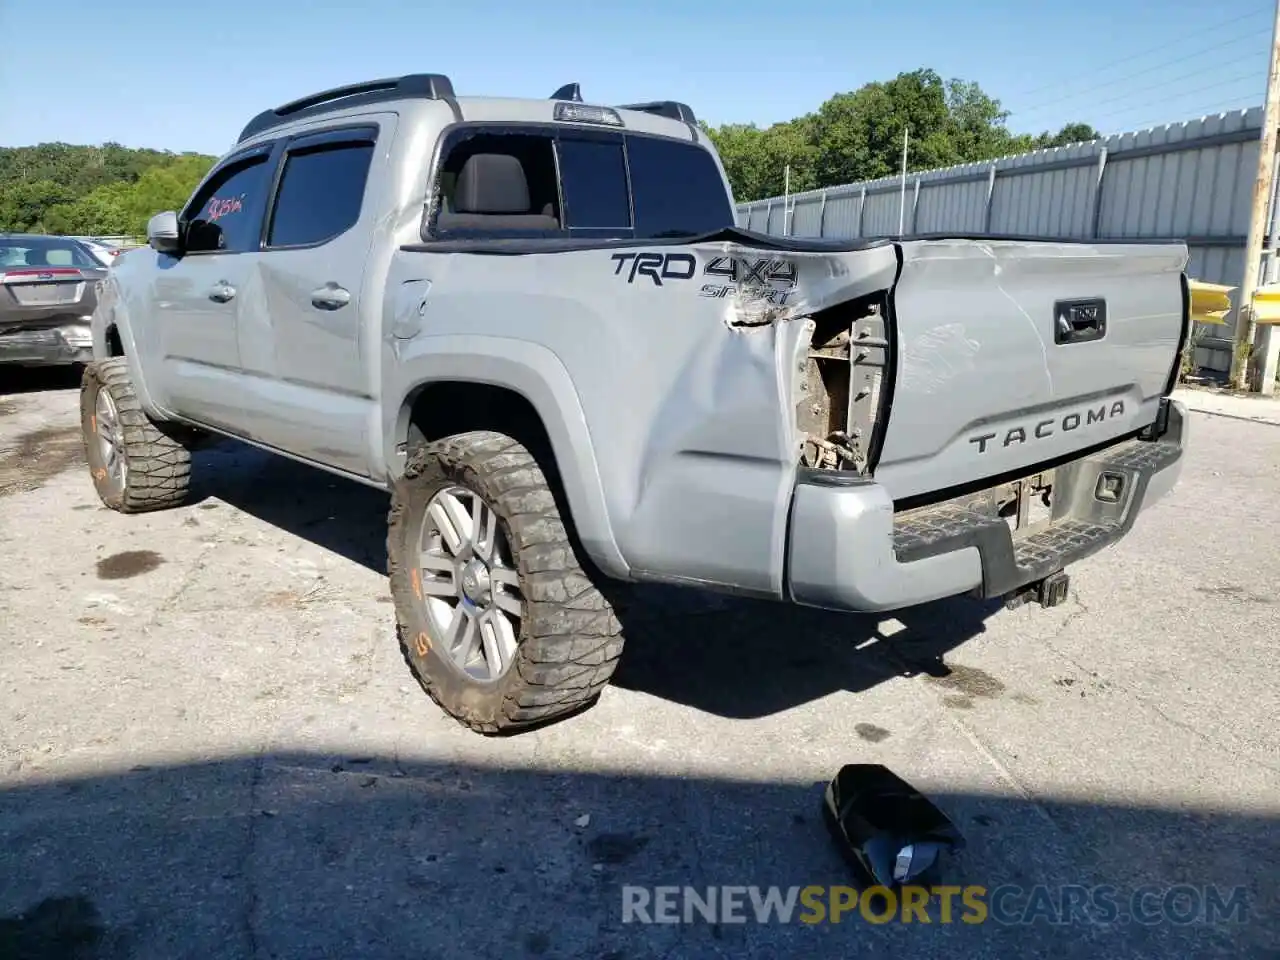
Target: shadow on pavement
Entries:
(752, 658)
(723, 655)
(14, 379)
(306, 855)
(340, 515)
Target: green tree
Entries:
(756, 160)
(976, 125)
(1071, 133)
(857, 135)
(107, 189)
(23, 203)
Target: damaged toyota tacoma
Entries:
(536, 324)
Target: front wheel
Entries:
(496, 617)
(136, 464)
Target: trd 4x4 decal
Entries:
(656, 266)
(756, 272)
(765, 278)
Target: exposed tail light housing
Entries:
(1184, 339)
(844, 385)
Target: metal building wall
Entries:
(1190, 181)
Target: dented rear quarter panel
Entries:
(670, 402)
(670, 389)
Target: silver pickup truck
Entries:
(536, 324)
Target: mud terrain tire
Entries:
(568, 640)
(136, 464)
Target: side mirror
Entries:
(163, 234)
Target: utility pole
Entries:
(1258, 213)
(786, 200)
(902, 198)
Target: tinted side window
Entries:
(593, 176)
(676, 188)
(320, 194)
(226, 215)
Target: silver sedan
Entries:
(48, 291)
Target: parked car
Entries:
(105, 254)
(536, 324)
(48, 291)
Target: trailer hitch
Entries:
(1050, 592)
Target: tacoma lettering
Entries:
(1044, 429)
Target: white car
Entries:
(107, 255)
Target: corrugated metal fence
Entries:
(1190, 181)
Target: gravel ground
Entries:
(209, 746)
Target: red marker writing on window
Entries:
(225, 207)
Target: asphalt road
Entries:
(209, 746)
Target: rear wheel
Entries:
(496, 617)
(136, 464)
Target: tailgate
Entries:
(1014, 353)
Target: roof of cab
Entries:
(434, 86)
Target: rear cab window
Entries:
(677, 189)
(558, 181)
(593, 177)
(497, 182)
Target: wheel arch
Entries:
(115, 346)
(113, 337)
(515, 387)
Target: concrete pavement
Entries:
(209, 746)
(1229, 403)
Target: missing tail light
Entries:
(843, 389)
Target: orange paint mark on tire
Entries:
(423, 643)
(93, 423)
(415, 578)
(100, 474)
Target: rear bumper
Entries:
(70, 342)
(849, 550)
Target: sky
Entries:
(181, 75)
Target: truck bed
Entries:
(975, 382)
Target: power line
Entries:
(1109, 83)
(1195, 91)
(1165, 99)
(1162, 48)
(1184, 117)
(1168, 88)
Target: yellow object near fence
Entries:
(1266, 304)
(1211, 302)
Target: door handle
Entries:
(1079, 321)
(222, 292)
(330, 297)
